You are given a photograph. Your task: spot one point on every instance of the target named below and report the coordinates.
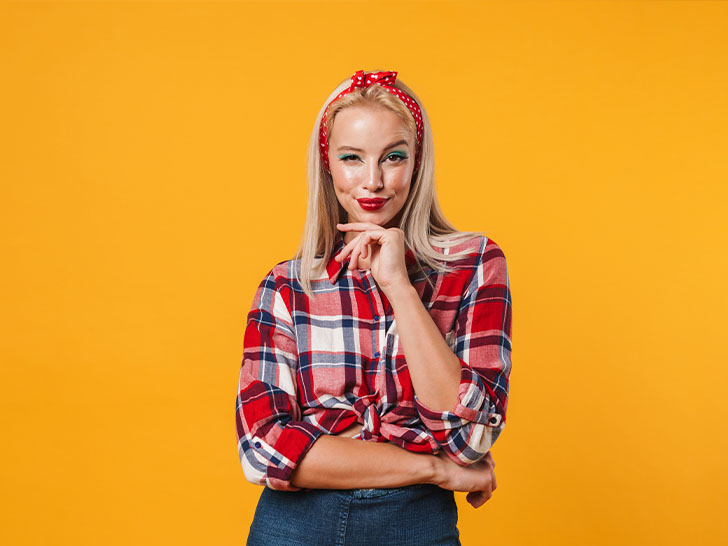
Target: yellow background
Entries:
(152, 171)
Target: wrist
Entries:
(433, 470)
(400, 290)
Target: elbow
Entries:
(481, 440)
(262, 470)
(255, 465)
(472, 443)
(255, 470)
(270, 453)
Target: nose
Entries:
(374, 176)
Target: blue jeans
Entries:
(414, 515)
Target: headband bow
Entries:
(386, 79)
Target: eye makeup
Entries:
(398, 153)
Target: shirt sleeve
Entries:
(482, 342)
(271, 436)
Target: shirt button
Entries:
(376, 355)
(376, 317)
(257, 444)
(494, 420)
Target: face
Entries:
(371, 156)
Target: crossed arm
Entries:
(341, 462)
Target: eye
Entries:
(397, 157)
(348, 157)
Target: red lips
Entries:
(371, 204)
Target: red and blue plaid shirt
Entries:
(315, 366)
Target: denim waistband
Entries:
(373, 492)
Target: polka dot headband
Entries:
(360, 80)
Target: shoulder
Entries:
(482, 261)
(492, 268)
(282, 280)
(475, 250)
(282, 273)
(274, 291)
(471, 245)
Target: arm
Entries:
(461, 397)
(271, 436)
(344, 463)
(337, 462)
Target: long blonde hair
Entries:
(422, 220)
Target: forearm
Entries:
(336, 462)
(433, 367)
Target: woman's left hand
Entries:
(380, 249)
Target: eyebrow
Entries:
(340, 148)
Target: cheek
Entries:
(343, 182)
(344, 179)
(399, 182)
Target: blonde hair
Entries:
(422, 220)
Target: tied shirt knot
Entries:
(367, 411)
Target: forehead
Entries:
(368, 123)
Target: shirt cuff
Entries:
(294, 442)
(474, 405)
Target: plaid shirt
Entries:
(315, 366)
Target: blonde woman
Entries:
(376, 362)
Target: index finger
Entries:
(358, 225)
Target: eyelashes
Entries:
(401, 156)
(347, 157)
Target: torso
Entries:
(352, 372)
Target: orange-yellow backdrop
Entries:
(152, 171)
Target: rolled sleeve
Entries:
(272, 439)
(482, 343)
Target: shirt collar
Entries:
(334, 268)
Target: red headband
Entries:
(361, 80)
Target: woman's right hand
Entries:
(478, 478)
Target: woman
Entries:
(376, 362)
